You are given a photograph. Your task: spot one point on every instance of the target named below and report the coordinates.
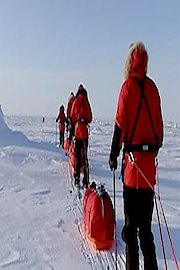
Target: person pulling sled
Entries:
(81, 116)
(68, 114)
(139, 127)
(61, 119)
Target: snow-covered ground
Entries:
(40, 218)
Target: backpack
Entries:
(72, 157)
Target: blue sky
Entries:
(48, 47)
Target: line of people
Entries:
(139, 130)
(79, 116)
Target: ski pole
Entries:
(158, 216)
(115, 225)
(162, 209)
(161, 235)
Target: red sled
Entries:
(98, 219)
(66, 145)
(72, 158)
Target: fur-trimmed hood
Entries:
(136, 62)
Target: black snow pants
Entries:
(81, 159)
(138, 210)
(61, 138)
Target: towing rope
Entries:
(161, 206)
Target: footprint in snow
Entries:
(43, 192)
(60, 223)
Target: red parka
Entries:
(81, 116)
(69, 105)
(147, 131)
(61, 119)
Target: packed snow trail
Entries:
(100, 259)
(97, 259)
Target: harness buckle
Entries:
(145, 147)
(82, 120)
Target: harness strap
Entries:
(82, 119)
(150, 117)
(128, 147)
(141, 84)
(142, 147)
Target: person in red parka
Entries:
(61, 119)
(68, 114)
(139, 127)
(81, 116)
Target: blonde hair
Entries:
(128, 63)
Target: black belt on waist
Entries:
(141, 148)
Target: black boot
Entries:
(85, 182)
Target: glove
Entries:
(115, 148)
(112, 162)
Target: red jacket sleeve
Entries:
(88, 112)
(73, 112)
(120, 118)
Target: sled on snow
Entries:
(98, 218)
(70, 149)
(66, 145)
